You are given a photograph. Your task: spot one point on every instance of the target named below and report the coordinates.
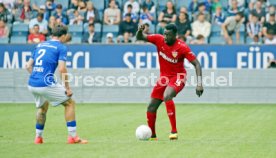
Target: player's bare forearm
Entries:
(64, 77)
(29, 65)
(140, 35)
(199, 88)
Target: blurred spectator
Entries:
(39, 20)
(147, 29)
(129, 11)
(265, 3)
(168, 14)
(183, 10)
(51, 24)
(256, 40)
(271, 10)
(216, 4)
(127, 26)
(112, 15)
(254, 27)
(259, 12)
(116, 2)
(35, 5)
(35, 36)
(145, 16)
(193, 6)
(208, 5)
(182, 37)
(24, 12)
(135, 6)
(272, 64)
(218, 17)
(270, 38)
(41, 10)
(270, 25)
(200, 39)
(59, 14)
(76, 19)
(234, 8)
(183, 25)
(82, 6)
(126, 38)
(5, 15)
(201, 27)
(91, 36)
(161, 28)
(109, 38)
(4, 29)
(240, 3)
(150, 5)
(9, 4)
(92, 13)
(232, 25)
(74, 5)
(50, 8)
(202, 10)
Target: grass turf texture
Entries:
(205, 131)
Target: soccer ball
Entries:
(143, 132)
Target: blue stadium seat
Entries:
(181, 3)
(4, 40)
(64, 3)
(224, 4)
(38, 2)
(217, 40)
(111, 28)
(216, 30)
(99, 4)
(249, 40)
(152, 28)
(20, 29)
(75, 30)
(76, 40)
(18, 40)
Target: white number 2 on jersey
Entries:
(38, 60)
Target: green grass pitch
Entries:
(205, 131)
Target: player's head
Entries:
(170, 33)
(60, 32)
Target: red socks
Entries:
(171, 114)
(151, 116)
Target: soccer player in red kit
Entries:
(171, 54)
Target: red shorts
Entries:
(177, 83)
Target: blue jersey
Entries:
(46, 56)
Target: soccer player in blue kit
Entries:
(46, 57)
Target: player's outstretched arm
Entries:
(140, 35)
(199, 87)
(64, 77)
(29, 65)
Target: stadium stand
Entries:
(19, 23)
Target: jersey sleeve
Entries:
(154, 38)
(63, 53)
(189, 55)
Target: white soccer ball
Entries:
(143, 132)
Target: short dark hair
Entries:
(91, 24)
(129, 6)
(36, 25)
(171, 27)
(241, 14)
(40, 15)
(59, 30)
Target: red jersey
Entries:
(171, 58)
(36, 38)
